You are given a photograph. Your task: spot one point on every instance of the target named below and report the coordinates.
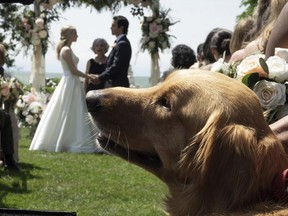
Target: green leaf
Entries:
(264, 65)
(250, 79)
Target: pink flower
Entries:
(154, 28)
(24, 20)
(29, 98)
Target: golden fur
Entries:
(203, 134)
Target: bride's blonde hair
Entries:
(64, 34)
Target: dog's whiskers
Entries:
(91, 123)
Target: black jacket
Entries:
(118, 63)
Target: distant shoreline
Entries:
(139, 81)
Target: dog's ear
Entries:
(222, 160)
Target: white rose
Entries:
(249, 65)
(20, 124)
(270, 94)
(25, 113)
(20, 104)
(35, 107)
(39, 23)
(43, 34)
(16, 111)
(151, 44)
(282, 53)
(35, 41)
(29, 119)
(277, 69)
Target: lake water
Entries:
(139, 81)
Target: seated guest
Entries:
(220, 45)
(259, 44)
(241, 34)
(183, 57)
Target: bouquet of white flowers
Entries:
(155, 36)
(268, 79)
(29, 108)
(31, 104)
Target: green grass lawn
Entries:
(88, 184)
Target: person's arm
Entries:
(86, 81)
(279, 34)
(67, 56)
(237, 56)
(280, 129)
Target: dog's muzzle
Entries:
(93, 100)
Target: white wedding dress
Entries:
(65, 125)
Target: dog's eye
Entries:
(165, 103)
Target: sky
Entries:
(195, 20)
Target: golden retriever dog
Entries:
(204, 135)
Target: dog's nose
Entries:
(93, 100)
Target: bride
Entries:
(65, 125)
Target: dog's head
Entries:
(197, 128)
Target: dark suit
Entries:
(6, 133)
(118, 63)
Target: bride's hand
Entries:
(94, 79)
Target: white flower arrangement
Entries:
(154, 32)
(33, 29)
(268, 79)
(31, 104)
(30, 107)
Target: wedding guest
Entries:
(65, 125)
(259, 44)
(241, 35)
(183, 57)
(209, 58)
(220, 44)
(7, 144)
(116, 72)
(8, 107)
(279, 33)
(97, 64)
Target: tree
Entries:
(250, 6)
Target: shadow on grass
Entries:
(16, 181)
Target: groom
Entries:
(116, 72)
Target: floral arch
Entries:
(32, 23)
